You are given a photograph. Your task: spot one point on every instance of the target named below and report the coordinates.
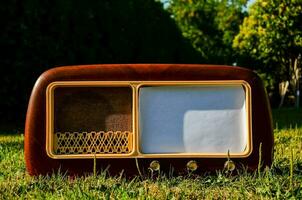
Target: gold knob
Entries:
(192, 165)
(154, 165)
(229, 165)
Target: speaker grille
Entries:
(111, 142)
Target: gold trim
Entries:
(135, 86)
(110, 142)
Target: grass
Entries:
(282, 181)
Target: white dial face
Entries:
(193, 119)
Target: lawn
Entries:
(282, 181)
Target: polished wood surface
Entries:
(37, 161)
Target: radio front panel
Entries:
(142, 119)
(137, 117)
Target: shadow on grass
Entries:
(11, 128)
(287, 117)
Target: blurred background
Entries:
(262, 35)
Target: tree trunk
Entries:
(294, 73)
(298, 95)
(282, 91)
(296, 77)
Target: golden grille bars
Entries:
(101, 142)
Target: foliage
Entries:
(38, 35)
(210, 25)
(272, 33)
(278, 182)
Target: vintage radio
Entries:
(135, 117)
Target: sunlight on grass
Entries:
(282, 181)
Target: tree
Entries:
(210, 25)
(272, 33)
(37, 35)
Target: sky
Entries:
(250, 2)
(166, 3)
